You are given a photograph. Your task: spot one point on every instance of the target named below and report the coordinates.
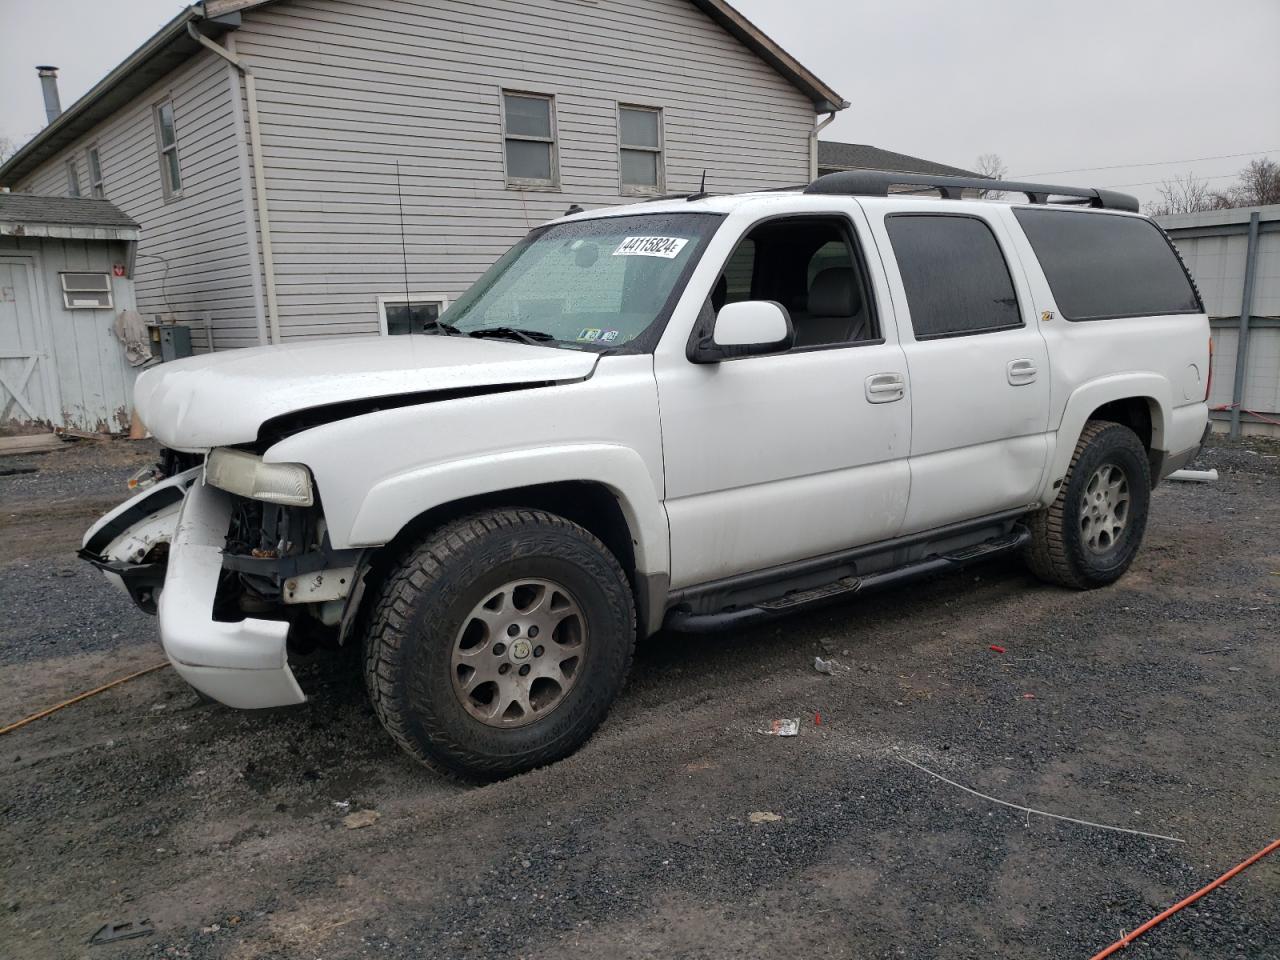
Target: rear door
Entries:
(978, 364)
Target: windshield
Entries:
(587, 284)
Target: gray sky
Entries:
(1049, 85)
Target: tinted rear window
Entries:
(1101, 266)
(955, 277)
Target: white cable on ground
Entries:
(1042, 813)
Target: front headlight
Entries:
(246, 475)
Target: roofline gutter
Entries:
(161, 38)
(824, 98)
(259, 177)
(813, 144)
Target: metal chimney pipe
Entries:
(49, 83)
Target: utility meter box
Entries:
(170, 341)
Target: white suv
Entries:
(693, 412)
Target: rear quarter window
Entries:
(1102, 266)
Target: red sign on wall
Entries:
(117, 270)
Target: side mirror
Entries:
(748, 328)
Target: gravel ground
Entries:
(1149, 705)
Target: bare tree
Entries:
(1259, 184)
(8, 147)
(990, 165)
(1185, 194)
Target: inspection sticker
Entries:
(666, 247)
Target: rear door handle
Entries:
(885, 387)
(1022, 371)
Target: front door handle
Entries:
(885, 387)
(1022, 372)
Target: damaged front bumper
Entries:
(242, 663)
(130, 545)
(164, 549)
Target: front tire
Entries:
(499, 643)
(1090, 534)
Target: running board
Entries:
(844, 588)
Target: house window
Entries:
(167, 141)
(86, 291)
(640, 149)
(73, 179)
(528, 128)
(96, 186)
(396, 316)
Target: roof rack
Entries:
(876, 183)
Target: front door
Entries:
(979, 365)
(778, 458)
(24, 373)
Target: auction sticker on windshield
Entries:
(666, 247)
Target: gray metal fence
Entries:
(1234, 256)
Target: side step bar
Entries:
(844, 588)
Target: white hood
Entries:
(222, 398)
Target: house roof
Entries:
(862, 156)
(27, 215)
(172, 45)
(167, 49)
(825, 100)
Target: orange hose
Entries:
(1129, 938)
(84, 696)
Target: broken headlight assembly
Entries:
(247, 475)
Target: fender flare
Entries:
(1088, 397)
(395, 501)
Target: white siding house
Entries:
(470, 121)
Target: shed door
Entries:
(24, 364)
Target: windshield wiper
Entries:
(514, 333)
(440, 327)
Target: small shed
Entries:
(66, 268)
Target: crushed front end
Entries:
(234, 558)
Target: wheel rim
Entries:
(519, 652)
(1104, 508)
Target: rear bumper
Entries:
(1188, 423)
(243, 663)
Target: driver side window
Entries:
(811, 266)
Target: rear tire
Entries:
(1090, 534)
(499, 643)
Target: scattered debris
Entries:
(70, 433)
(763, 816)
(28, 443)
(1028, 696)
(783, 728)
(1031, 810)
(1194, 476)
(343, 805)
(817, 719)
(824, 666)
(996, 648)
(126, 930)
(361, 818)
(1206, 653)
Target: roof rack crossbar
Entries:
(876, 183)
